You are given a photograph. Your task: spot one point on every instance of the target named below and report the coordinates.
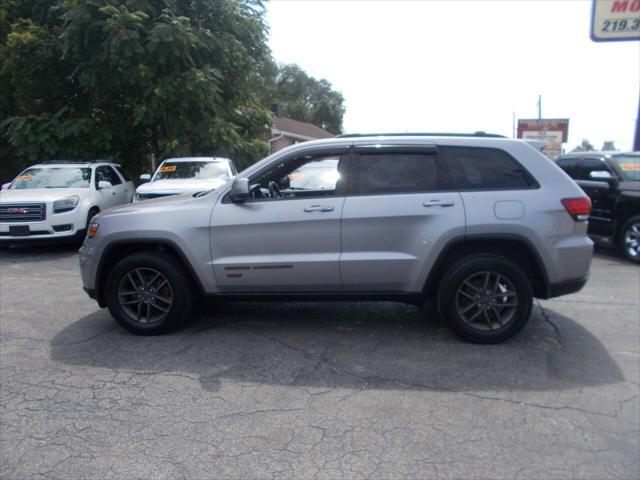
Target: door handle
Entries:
(113, 193)
(319, 208)
(438, 203)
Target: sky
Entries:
(463, 66)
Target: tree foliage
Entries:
(309, 100)
(135, 79)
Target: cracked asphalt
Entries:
(314, 390)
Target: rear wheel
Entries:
(149, 293)
(485, 299)
(630, 241)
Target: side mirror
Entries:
(600, 175)
(103, 184)
(145, 177)
(240, 190)
(5, 186)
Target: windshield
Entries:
(175, 170)
(54, 177)
(628, 166)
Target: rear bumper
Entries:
(567, 287)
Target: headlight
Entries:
(92, 231)
(66, 204)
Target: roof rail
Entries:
(421, 134)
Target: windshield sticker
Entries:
(26, 178)
(630, 167)
(168, 168)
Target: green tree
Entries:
(306, 99)
(585, 146)
(132, 79)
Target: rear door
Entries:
(400, 211)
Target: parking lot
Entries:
(314, 390)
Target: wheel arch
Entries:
(118, 250)
(514, 247)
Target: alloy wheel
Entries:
(486, 301)
(145, 295)
(632, 240)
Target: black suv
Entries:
(612, 181)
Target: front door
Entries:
(286, 237)
(116, 194)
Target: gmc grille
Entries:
(22, 212)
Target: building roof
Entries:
(296, 129)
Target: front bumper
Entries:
(67, 225)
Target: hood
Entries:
(180, 185)
(39, 195)
(156, 204)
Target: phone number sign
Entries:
(615, 20)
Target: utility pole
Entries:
(539, 107)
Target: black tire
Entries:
(80, 234)
(179, 284)
(631, 227)
(515, 285)
(92, 213)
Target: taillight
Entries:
(579, 208)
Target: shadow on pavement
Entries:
(611, 255)
(348, 345)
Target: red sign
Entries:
(544, 125)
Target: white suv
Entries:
(57, 199)
(176, 176)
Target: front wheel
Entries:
(630, 243)
(149, 293)
(485, 299)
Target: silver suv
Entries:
(480, 223)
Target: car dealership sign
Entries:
(554, 131)
(615, 20)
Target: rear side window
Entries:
(396, 173)
(485, 169)
(570, 166)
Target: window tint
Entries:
(593, 165)
(570, 165)
(484, 168)
(396, 173)
(107, 174)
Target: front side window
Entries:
(306, 176)
(475, 168)
(594, 169)
(53, 177)
(107, 174)
(381, 173)
(184, 170)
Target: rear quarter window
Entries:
(477, 168)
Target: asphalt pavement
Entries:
(314, 390)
